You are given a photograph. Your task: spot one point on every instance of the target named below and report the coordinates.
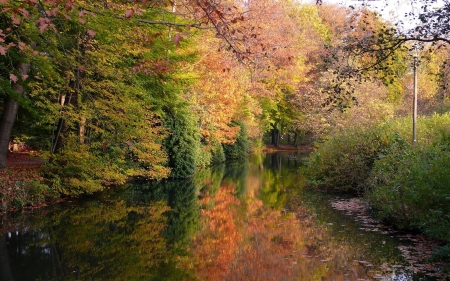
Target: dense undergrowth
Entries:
(33, 185)
(407, 185)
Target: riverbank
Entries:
(288, 148)
(407, 185)
(21, 183)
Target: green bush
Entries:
(181, 144)
(238, 150)
(344, 161)
(203, 156)
(217, 154)
(411, 188)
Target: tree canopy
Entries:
(112, 90)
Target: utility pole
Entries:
(415, 102)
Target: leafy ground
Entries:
(20, 182)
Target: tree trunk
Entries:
(295, 139)
(9, 115)
(275, 137)
(82, 130)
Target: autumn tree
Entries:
(51, 19)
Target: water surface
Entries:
(245, 221)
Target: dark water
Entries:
(246, 221)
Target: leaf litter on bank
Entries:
(418, 249)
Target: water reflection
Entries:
(246, 221)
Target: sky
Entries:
(392, 10)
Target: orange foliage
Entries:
(245, 240)
(214, 247)
(217, 94)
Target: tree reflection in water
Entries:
(247, 221)
(257, 238)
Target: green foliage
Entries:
(181, 197)
(391, 72)
(238, 150)
(77, 171)
(203, 156)
(411, 185)
(442, 253)
(217, 154)
(344, 161)
(92, 106)
(407, 185)
(181, 144)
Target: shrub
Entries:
(181, 144)
(203, 156)
(344, 161)
(238, 150)
(410, 185)
(217, 154)
(411, 188)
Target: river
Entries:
(243, 221)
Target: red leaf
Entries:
(91, 32)
(129, 13)
(137, 10)
(13, 77)
(15, 20)
(43, 27)
(81, 20)
(24, 13)
(3, 50)
(176, 39)
(21, 45)
(53, 12)
(42, 24)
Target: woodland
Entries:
(103, 92)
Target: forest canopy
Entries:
(106, 91)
